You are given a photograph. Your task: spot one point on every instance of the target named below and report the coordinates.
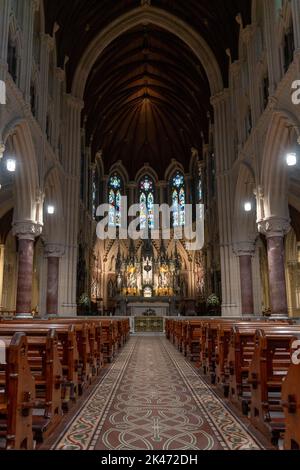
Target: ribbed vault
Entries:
(147, 96)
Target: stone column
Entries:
(224, 149)
(275, 230)
(250, 36)
(53, 253)
(2, 251)
(29, 8)
(270, 39)
(71, 198)
(296, 23)
(46, 46)
(5, 6)
(245, 252)
(26, 233)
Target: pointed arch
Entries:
(159, 17)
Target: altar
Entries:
(141, 308)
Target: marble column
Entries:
(245, 252)
(53, 253)
(275, 230)
(26, 233)
(52, 286)
(2, 251)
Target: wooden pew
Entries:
(85, 360)
(211, 350)
(67, 348)
(17, 395)
(45, 365)
(193, 335)
(291, 401)
(269, 366)
(168, 328)
(240, 354)
(108, 340)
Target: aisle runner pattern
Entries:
(153, 399)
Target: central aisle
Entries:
(151, 398)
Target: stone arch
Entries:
(141, 16)
(245, 230)
(274, 174)
(146, 170)
(18, 137)
(174, 166)
(119, 168)
(53, 224)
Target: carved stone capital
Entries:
(246, 248)
(54, 250)
(75, 102)
(274, 227)
(27, 230)
(220, 98)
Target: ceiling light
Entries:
(50, 209)
(248, 206)
(11, 165)
(291, 159)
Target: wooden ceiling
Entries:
(147, 97)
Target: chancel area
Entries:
(149, 225)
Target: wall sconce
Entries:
(291, 159)
(11, 165)
(248, 206)
(50, 209)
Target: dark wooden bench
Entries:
(268, 369)
(291, 401)
(45, 365)
(17, 395)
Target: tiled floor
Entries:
(153, 398)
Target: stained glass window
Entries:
(178, 200)
(146, 203)
(114, 200)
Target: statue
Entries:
(119, 282)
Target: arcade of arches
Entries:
(165, 102)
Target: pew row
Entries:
(17, 395)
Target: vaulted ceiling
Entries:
(147, 97)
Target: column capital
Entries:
(246, 248)
(47, 41)
(220, 97)
(248, 32)
(54, 250)
(72, 100)
(274, 227)
(60, 74)
(27, 230)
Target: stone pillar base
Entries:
(24, 316)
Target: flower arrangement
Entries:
(84, 300)
(213, 301)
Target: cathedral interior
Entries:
(182, 104)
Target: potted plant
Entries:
(84, 304)
(213, 304)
